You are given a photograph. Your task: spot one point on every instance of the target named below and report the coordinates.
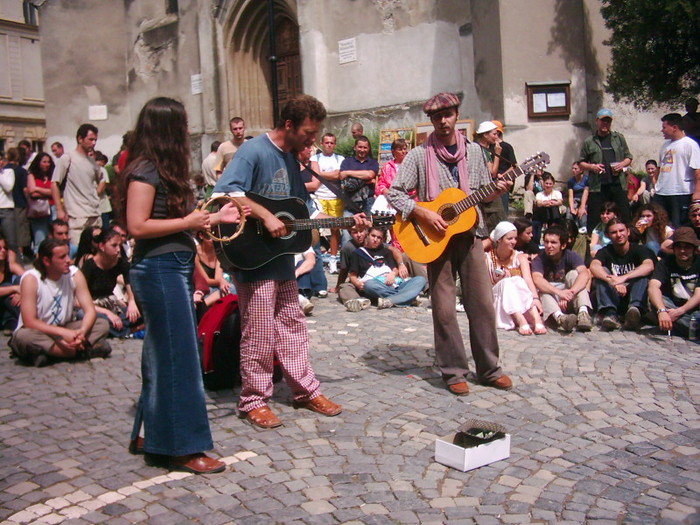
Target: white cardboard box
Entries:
(460, 458)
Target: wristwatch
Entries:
(661, 310)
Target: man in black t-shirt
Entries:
(621, 272)
(674, 288)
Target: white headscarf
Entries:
(501, 229)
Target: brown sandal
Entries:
(263, 417)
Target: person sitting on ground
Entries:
(533, 185)
(87, 246)
(598, 237)
(637, 190)
(524, 242)
(374, 273)
(621, 272)
(304, 263)
(577, 187)
(46, 329)
(9, 288)
(674, 287)
(651, 228)
(515, 297)
(347, 294)
(694, 217)
(547, 202)
(562, 279)
(102, 273)
(208, 265)
(58, 229)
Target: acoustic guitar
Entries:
(423, 244)
(254, 246)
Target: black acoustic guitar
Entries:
(254, 246)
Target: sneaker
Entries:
(567, 322)
(633, 318)
(333, 264)
(306, 305)
(355, 305)
(383, 303)
(416, 302)
(584, 322)
(101, 349)
(41, 360)
(322, 294)
(610, 322)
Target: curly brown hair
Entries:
(161, 137)
(660, 222)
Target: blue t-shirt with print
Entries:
(259, 166)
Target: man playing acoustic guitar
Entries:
(447, 160)
(272, 324)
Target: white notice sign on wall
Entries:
(347, 50)
(97, 112)
(196, 84)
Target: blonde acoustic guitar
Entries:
(423, 244)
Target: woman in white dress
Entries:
(515, 296)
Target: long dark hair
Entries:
(161, 138)
(35, 170)
(85, 246)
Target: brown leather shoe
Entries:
(136, 446)
(459, 389)
(320, 404)
(263, 417)
(502, 383)
(196, 464)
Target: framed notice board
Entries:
(386, 137)
(548, 99)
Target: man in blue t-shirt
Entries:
(621, 272)
(272, 323)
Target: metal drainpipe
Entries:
(273, 60)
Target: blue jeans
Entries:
(402, 295)
(40, 230)
(610, 302)
(172, 407)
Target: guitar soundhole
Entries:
(448, 214)
(286, 217)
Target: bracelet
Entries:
(662, 310)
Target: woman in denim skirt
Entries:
(160, 214)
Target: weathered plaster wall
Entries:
(83, 56)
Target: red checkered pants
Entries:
(273, 324)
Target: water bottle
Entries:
(694, 326)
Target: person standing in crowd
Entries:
(358, 175)
(272, 324)
(80, 206)
(446, 160)
(507, 161)
(57, 151)
(326, 163)
(691, 120)
(160, 213)
(39, 202)
(357, 130)
(487, 137)
(604, 155)
(228, 149)
(209, 169)
(679, 170)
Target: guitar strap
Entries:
(334, 186)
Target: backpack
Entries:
(219, 336)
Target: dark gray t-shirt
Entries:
(175, 242)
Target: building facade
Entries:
(536, 65)
(21, 85)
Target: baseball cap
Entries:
(602, 113)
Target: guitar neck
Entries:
(310, 224)
(486, 190)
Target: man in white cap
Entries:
(486, 136)
(604, 155)
(447, 160)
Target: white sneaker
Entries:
(383, 303)
(305, 304)
(333, 264)
(355, 305)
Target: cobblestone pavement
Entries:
(605, 429)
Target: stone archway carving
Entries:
(248, 78)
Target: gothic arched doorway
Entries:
(248, 68)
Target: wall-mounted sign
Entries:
(97, 112)
(196, 84)
(347, 50)
(548, 99)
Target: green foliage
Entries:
(655, 50)
(344, 145)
